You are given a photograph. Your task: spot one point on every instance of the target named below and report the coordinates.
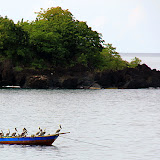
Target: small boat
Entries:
(30, 140)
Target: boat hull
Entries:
(39, 140)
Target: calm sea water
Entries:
(104, 124)
(151, 59)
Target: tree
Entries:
(134, 62)
(89, 44)
(111, 60)
(13, 41)
(59, 39)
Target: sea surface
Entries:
(103, 124)
(151, 59)
(107, 124)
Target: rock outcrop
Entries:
(130, 78)
(6, 73)
(79, 77)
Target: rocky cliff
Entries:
(79, 77)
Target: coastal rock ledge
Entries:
(79, 78)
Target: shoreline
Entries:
(141, 76)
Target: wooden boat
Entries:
(32, 140)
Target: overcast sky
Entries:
(132, 26)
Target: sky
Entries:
(132, 26)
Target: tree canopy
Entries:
(13, 41)
(56, 39)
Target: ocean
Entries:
(152, 60)
(114, 124)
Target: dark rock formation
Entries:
(79, 77)
(130, 78)
(140, 77)
(37, 82)
(70, 83)
(6, 73)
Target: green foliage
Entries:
(18, 68)
(134, 62)
(13, 41)
(89, 44)
(61, 40)
(57, 39)
(111, 60)
(38, 64)
(82, 59)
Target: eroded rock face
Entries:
(130, 78)
(37, 82)
(6, 73)
(70, 83)
(140, 77)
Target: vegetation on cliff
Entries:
(57, 39)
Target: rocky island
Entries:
(58, 51)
